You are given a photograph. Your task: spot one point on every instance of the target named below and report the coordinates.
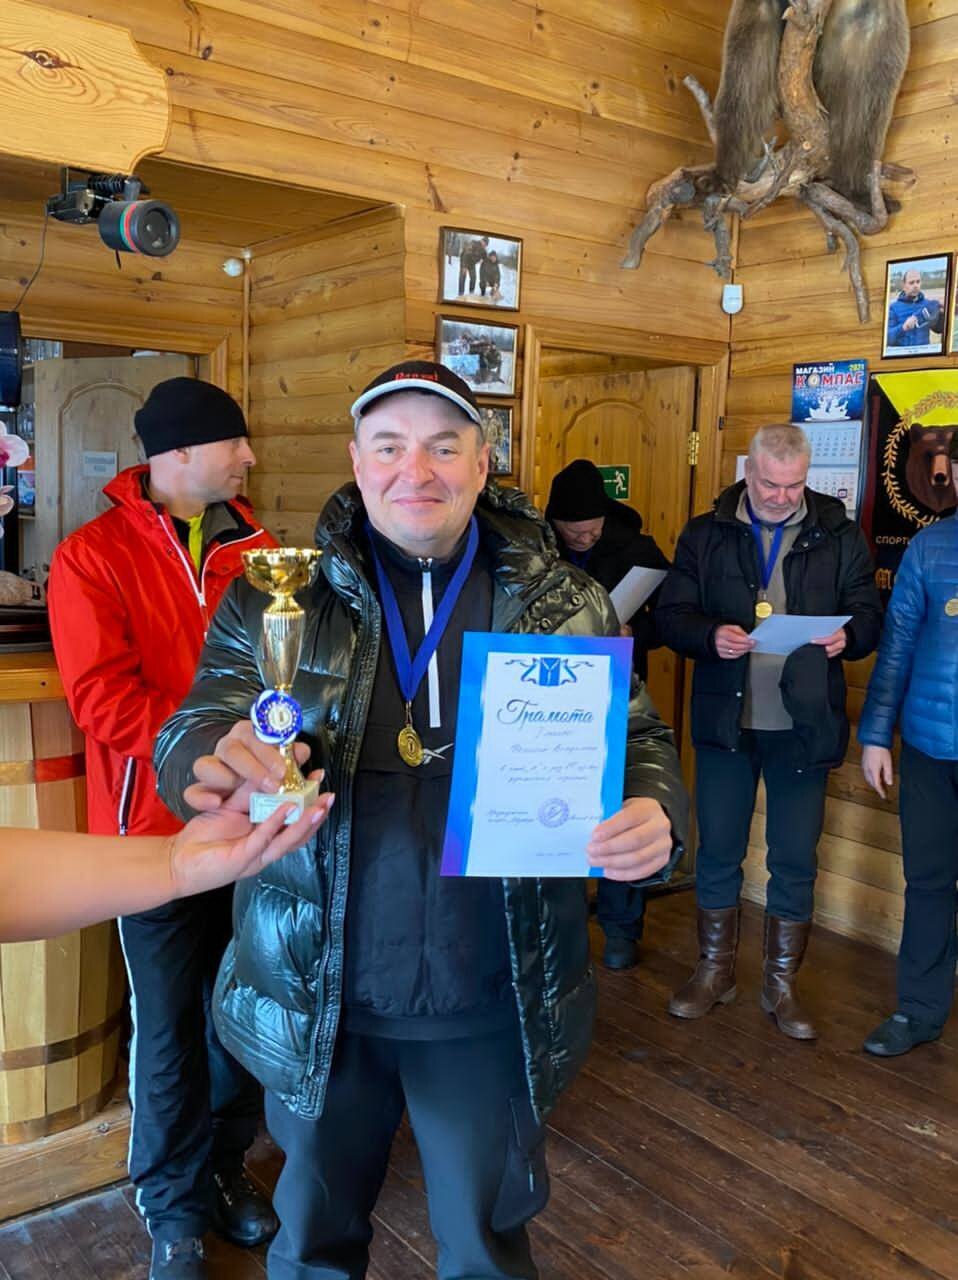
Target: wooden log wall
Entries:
(327, 313)
(542, 118)
(799, 306)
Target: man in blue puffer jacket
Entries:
(916, 676)
(912, 317)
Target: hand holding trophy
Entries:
(276, 715)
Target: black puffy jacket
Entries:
(278, 996)
(714, 580)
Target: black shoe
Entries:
(620, 953)
(242, 1214)
(178, 1260)
(899, 1034)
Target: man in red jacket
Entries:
(131, 595)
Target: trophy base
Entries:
(262, 804)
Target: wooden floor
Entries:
(684, 1152)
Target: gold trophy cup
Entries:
(276, 715)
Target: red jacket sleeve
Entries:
(97, 657)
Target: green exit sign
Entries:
(618, 482)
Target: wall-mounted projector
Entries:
(126, 222)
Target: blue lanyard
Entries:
(768, 566)
(410, 671)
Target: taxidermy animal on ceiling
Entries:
(859, 64)
(830, 71)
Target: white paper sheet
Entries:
(784, 632)
(635, 588)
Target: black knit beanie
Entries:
(578, 493)
(184, 411)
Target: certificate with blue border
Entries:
(540, 753)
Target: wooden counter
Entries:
(29, 677)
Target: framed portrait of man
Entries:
(483, 355)
(916, 306)
(479, 268)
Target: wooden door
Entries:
(84, 435)
(641, 419)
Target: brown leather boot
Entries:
(785, 943)
(713, 981)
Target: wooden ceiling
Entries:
(212, 207)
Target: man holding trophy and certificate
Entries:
(462, 688)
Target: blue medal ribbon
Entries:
(767, 566)
(410, 671)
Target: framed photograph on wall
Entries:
(953, 313)
(498, 424)
(479, 268)
(916, 302)
(484, 355)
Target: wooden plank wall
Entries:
(542, 118)
(327, 313)
(798, 305)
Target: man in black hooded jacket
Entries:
(605, 538)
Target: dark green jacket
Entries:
(277, 1001)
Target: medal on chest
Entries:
(951, 607)
(409, 743)
(410, 670)
(763, 606)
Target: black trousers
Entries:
(725, 787)
(195, 1109)
(620, 909)
(482, 1156)
(928, 805)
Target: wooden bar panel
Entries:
(59, 999)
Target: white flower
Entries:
(13, 451)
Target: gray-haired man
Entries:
(771, 545)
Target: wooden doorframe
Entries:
(212, 349)
(710, 359)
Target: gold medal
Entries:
(951, 607)
(410, 746)
(763, 609)
(409, 742)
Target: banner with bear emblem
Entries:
(910, 477)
